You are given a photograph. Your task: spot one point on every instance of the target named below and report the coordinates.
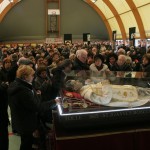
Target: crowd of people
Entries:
(31, 77)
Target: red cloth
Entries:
(72, 94)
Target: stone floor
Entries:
(14, 141)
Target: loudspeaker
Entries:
(132, 33)
(86, 38)
(114, 35)
(67, 38)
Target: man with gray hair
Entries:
(121, 51)
(121, 64)
(80, 60)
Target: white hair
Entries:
(81, 52)
(121, 51)
(122, 56)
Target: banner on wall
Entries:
(53, 11)
(26, 44)
(20, 45)
(33, 44)
(14, 45)
(54, 40)
(8, 45)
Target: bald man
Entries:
(80, 60)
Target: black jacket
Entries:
(146, 70)
(58, 80)
(26, 106)
(3, 98)
(78, 65)
(45, 86)
(3, 106)
(125, 67)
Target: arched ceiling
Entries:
(123, 14)
(118, 15)
(5, 6)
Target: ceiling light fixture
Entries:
(94, 1)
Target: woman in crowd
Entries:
(145, 68)
(111, 60)
(98, 66)
(41, 77)
(26, 105)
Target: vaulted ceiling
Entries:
(5, 6)
(120, 15)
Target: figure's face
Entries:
(77, 85)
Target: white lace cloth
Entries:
(115, 95)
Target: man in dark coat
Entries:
(3, 117)
(121, 64)
(80, 60)
(4, 104)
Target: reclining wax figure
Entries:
(26, 106)
(103, 93)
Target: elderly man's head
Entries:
(121, 51)
(82, 55)
(121, 60)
